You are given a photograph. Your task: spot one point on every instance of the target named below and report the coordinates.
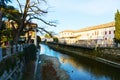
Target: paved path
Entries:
(29, 72)
(32, 70)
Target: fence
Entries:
(13, 74)
(8, 51)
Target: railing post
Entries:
(14, 49)
(8, 51)
(0, 53)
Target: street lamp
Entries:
(35, 40)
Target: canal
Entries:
(82, 69)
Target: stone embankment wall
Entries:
(109, 56)
(114, 51)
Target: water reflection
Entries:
(83, 69)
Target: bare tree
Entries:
(29, 11)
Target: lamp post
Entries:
(35, 37)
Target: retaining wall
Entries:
(109, 56)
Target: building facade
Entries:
(99, 35)
(67, 37)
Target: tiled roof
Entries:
(67, 31)
(106, 25)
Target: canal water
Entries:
(81, 69)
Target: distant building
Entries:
(31, 33)
(100, 35)
(67, 37)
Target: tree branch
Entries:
(20, 6)
(45, 31)
(34, 17)
(38, 9)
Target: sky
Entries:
(77, 14)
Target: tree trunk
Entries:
(22, 25)
(17, 33)
(15, 40)
(16, 37)
(0, 19)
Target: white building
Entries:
(67, 37)
(102, 35)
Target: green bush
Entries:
(30, 53)
(55, 39)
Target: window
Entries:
(109, 32)
(105, 32)
(114, 31)
(105, 38)
(97, 32)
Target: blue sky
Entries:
(77, 14)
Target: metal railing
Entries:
(9, 50)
